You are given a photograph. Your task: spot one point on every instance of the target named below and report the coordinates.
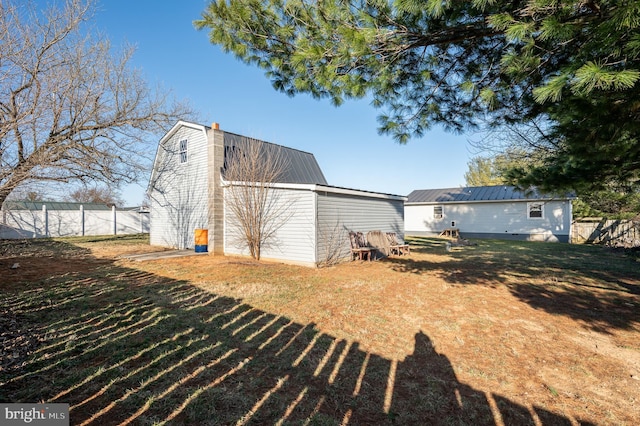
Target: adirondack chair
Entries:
(396, 245)
(359, 247)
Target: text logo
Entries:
(34, 414)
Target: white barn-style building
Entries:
(187, 193)
(489, 212)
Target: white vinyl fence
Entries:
(17, 224)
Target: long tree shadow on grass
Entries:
(123, 346)
(585, 283)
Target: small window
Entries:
(183, 150)
(535, 210)
(229, 153)
(437, 212)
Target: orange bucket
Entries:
(201, 240)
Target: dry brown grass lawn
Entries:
(499, 333)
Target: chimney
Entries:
(215, 126)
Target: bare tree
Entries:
(251, 169)
(97, 194)
(70, 108)
(32, 192)
(521, 142)
(332, 238)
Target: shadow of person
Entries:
(427, 391)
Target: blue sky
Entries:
(223, 89)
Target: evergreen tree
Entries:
(574, 64)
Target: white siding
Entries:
(317, 224)
(294, 241)
(339, 213)
(179, 191)
(508, 219)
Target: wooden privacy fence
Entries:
(47, 222)
(619, 233)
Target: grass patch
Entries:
(435, 337)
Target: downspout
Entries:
(315, 226)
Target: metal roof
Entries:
(302, 166)
(478, 193)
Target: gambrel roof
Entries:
(302, 166)
(479, 194)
